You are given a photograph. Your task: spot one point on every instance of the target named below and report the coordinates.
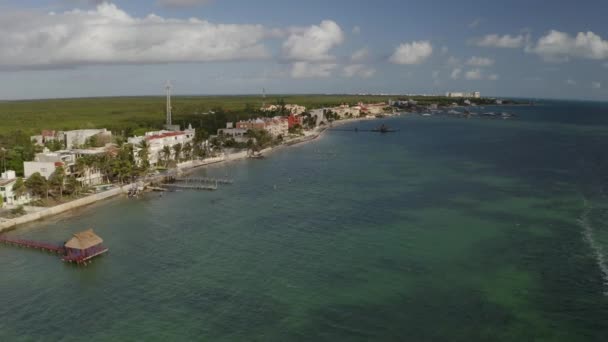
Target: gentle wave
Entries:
(589, 236)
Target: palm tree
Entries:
(37, 185)
(177, 148)
(57, 179)
(73, 185)
(166, 152)
(198, 151)
(143, 154)
(19, 187)
(187, 151)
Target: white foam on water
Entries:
(598, 250)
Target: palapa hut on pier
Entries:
(83, 246)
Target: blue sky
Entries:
(74, 48)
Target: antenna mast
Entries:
(168, 87)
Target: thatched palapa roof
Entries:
(84, 240)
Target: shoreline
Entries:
(11, 224)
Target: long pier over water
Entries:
(197, 183)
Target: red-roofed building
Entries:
(159, 139)
(293, 120)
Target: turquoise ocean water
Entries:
(449, 230)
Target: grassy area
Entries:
(117, 113)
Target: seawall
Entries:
(58, 209)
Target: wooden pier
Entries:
(204, 180)
(83, 247)
(208, 187)
(42, 246)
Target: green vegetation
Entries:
(130, 115)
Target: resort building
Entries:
(9, 198)
(344, 111)
(47, 162)
(294, 119)
(254, 125)
(372, 108)
(277, 126)
(238, 134)
(158, 140)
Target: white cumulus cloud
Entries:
(304, 69)
(558, 46)
(360, 55)
(596, 85)
(493, 77)
(456, 73)
(108, 34)
(412, 53)
(571, 82)
(498, 41)
(313, 43)
(474, 74)
(358, 70)
(480, 61)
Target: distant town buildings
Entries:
(72, 139)
(295, 109)
(275, 126)
(344, 111)
(289, 108)
(474, 94)
(254, 124)
(372, 108)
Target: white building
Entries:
(295, 109)
(157, 141)
(7, 181)
(45, 137)
(72, 139)
(238, 134)
(47, 162)
(372, 108)
(474, 94)
(269, 108)
(345, 111)
(277, 126)
(291, 108)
